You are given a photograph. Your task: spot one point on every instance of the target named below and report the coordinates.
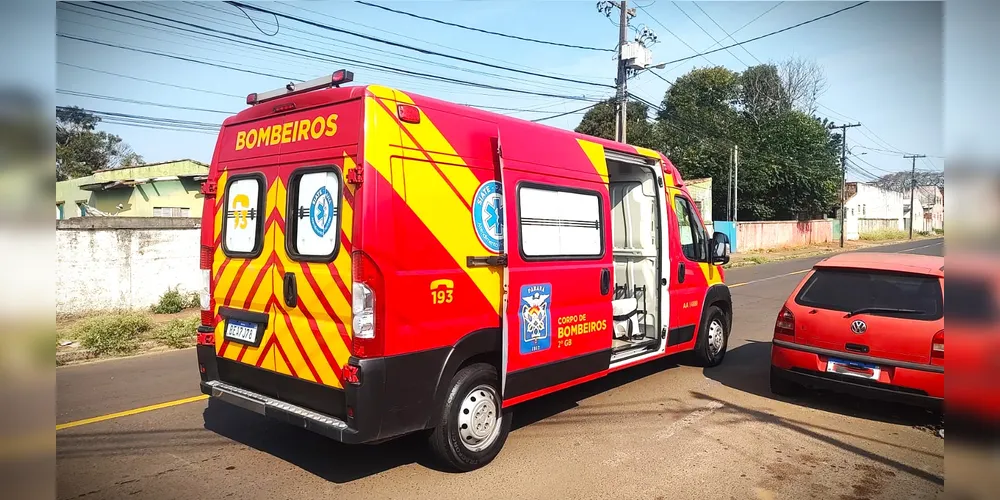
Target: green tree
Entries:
(599, 121)
(81, 149)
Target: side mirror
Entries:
(720, 248)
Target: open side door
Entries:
(558, 280)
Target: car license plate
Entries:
(853, 368)
(242, 331)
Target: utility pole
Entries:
(736, 183)
(913, 183)
(729, 189)
(621, 81)
(843, 173)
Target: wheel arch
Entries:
(479, 346)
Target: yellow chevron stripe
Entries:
(649, 153)
(597, 157)
(434, 202)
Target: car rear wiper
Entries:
(883, 310)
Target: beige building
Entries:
(168, 189)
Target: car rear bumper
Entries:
(908, 383)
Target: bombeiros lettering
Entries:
(288, 132)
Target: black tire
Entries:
(780, 386)
(446, 442)
(704, 354)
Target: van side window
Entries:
(558, 222)
(314, 214)
(244, 197)
(691, 233)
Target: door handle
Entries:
(605, 281)
(291, 290)
(681, 272)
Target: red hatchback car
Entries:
(868, 324)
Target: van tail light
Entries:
(785, 324)
(205, 292)
(367, 306)
(937, 348)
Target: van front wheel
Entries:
(713, 339)
(472, 427)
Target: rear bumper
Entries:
(907, 383)
(298, 416)
(395, 395)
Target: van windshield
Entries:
(879, 293)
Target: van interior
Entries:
(636, 234)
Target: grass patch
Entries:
(114, 333)
(173, 301)
(883, 234)
(939, 231)
(178, 333)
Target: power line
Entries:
(566, 113)
(148, 81)
(741, 28)
(803, 23)
(657, 21)
(705, 31)
(416, 49)
(728, 34)
(286, 78)
(136, 101)
(288, 48)
(298, 6)
(495, 33)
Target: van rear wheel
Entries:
(472, 427)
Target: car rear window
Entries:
(851, 290)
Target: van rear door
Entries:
(242, 270)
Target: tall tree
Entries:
(803, 81)
(900, 181)
(599, 121)
(81, 149)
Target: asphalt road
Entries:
(664, 430)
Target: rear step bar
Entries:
(274, 408)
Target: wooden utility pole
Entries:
(913, 182)
(843, 173)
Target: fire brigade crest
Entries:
(487, 215)
(536, 324)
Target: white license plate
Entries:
(853, 368)
(241, 331)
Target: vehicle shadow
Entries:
(747, 369)
(340, 463)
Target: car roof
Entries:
(898, 262)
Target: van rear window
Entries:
(913, 296)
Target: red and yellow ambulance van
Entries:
(378, 263)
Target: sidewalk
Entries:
(743, 259)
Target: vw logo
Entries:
(859, 327)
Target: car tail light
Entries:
(785, 324)
(368, 307)
(937, 346)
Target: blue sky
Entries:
(883, 61)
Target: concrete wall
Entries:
(123, 262)
(777, 234)
(875, 225)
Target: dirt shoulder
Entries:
(115, 334)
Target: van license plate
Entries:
(243, 332)
(853, 368)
